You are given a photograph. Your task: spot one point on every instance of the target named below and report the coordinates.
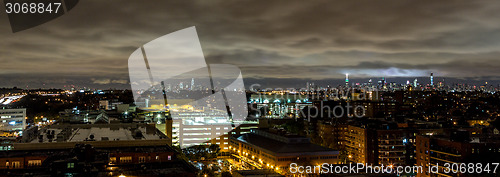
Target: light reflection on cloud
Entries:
(387, 72)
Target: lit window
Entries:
(127, 159)
(142, 159)
(33, 163)
(16, 164)
(71, 165)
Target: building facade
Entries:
(271, 149)
(12, 122)
(458, 147)
(93, 150)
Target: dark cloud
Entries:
(267, 39)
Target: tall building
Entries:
(347, 79)
(382, 81)
(12, 122)
(432, 79)
(381, 142)
(357, 146)
(458, 147)
(192, 83)
(332, 134)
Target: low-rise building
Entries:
(270, 149)
(12, 122)
(96, 150)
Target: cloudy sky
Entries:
(292, 41)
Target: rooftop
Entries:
(103, 132)
(280, 147)
(256, 173)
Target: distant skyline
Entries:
(265, 83)
(282, 43)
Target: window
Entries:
(16, 164)
(112, 160)
(126, 159)
(71, 165)
(157, 157)
(33, 163)
(142, 159)
(169, 157)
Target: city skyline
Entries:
(266, 83)
(321, 41)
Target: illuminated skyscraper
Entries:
(432, 79)
(347, 79)
(192, 83)
(415, 83)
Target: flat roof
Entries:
(258, 173)
(278, 147)
(101, 132)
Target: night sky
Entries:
(279, 43)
